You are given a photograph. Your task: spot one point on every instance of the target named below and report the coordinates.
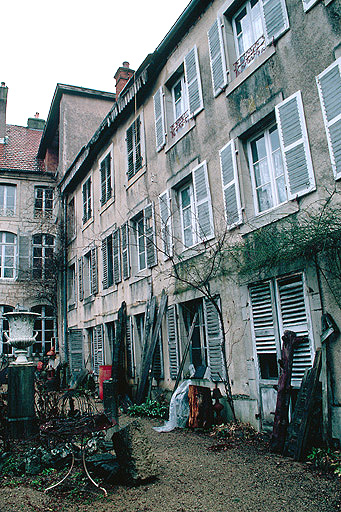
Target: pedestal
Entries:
(21, 414)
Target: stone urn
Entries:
(21, 337)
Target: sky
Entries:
(74, 42)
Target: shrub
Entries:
(150, 408)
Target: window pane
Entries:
(262, 175)
(10, 238)
(264, 198)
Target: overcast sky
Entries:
(74, 42)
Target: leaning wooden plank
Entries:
(146, 366)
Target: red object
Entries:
(104, 374)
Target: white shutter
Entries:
(125, 250)
(116, 247)
(293, 317)
(94, 271)
(97, 348)
(192, 75)
(159, 114)
(295, 146)
(130, 348)
(80, 278)
(217, 57)
(214, 341)
(172, 341)
(149, 233)
(263, 318)
(230, 180)
(276, 18)
(105, 263)
(75, 343)
(24, 257)
(166, 224)
(203, 205)
(329, 86)
(307, 4)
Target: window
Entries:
(43, 201)
(71, 284)
(43, 259)
(5, 347)
(278, 305)
(106, 179)
(134, 153)
(45, 325)
(145, 241)
(195, 208)
(7, 200)
(107, 255)
(183, 98)
(71, 218)
(329, 86)
(268, 179)
(240, 37)
(87, 200)
(88, 275)
(8, 254)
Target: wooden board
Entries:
(200, 407)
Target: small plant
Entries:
(326, 459)
(150, 408)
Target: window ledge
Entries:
(264, 218)
(236, 82)
(107, 205)
(181, 133)
(88, 300)
(136, 176)
(88, 223)
(71, 307)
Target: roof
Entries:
(19, 153)
(52, 122)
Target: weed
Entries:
(150, 408)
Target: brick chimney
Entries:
(122, 75)
(35, 123)
(3, 105)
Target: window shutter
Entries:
(85, 209)
(80, 278)
(276, 18)
(117, 256)
(75, 343)
(149, 232)
(97, 348)
(230, 180)
(137, 137)
(130, 151)
(214, 341)
(105, 263)
(192, 74)
(130, 348)
(125, 250)
(329, 86)
(157, 366)
(203, 205)
(159, 120)
(172, 341)
(24, 257)
(307, 4)
(103, 183)
(94, 271)
(263, 318)
(166, 224)
(294, 318)
(108, 176)
(295, 146)
(217, 57)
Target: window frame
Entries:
(87, 200)
(45, 262)
(6, 211)
(71, 288)
(46, 211)
(4, 256)
(46, 343)
(107, 177)
(134, 147)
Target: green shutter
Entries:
(276, 18)
(172, 341)
(105, 263)
(214, 340)
(75, 346)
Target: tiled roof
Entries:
(19, 153)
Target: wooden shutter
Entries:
(97, 348)
(157, 365)
(130, 151)
(130, 348)
(108, 177)
(214, 341)
(276, 18)
(85, 208)
(117, 255)
(149, 233)
(75, 345)
(159, 114)
(307, 4)
(166, 224)
(329, 86)
(125, 250)
(105, 263)
(230, 180)
(295, 146)
(192, 75)
(80, 279)
(263, 318)
(103, 183)
(172, 341)
(137, 142)
(203, 205)
(94, 271)
(24, 257)
(217, 57)
(293, 317)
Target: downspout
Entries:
(64, 283)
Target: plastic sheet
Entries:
(178, 409)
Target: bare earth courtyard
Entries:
(193, 477)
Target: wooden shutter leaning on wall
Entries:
(130, 348)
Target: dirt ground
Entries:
(193, 477)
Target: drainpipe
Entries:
(64, 283)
